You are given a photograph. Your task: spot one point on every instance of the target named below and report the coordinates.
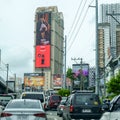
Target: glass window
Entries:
(23, 104)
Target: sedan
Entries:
(60, 108)
(24, 109)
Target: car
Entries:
(23, 109)
(112, 110)
(64, 98)
(53, 101)
(34, 95)
(60, 108)
(5, 98)
(82, 105)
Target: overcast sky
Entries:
(17, 32)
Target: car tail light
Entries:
(6, 114)
(43, 115)
(71, 108)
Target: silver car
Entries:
(24, 109)
(115, 115)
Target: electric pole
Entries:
(64, 82)
(7, 65)
(97, 50)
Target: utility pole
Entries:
(64, 82)
(97, 50)
(15, 83)
(7, 79)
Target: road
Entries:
(52, 115)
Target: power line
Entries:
(74, 19)
(78, 29)
(76, 23)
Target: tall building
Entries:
(49, 45)
(110, 13)
(104, 45)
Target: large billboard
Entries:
(43, 39)
(33, 80)
(42, 56)
(57, 81)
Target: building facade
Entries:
(49, 46)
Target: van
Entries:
(34, 95)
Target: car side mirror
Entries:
(105, 107)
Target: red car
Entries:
(53, 101)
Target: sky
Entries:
(17, 32)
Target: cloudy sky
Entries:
(17, 32)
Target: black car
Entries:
(82, 105)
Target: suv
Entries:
(53, 101)
(82, 105)
(34, 95)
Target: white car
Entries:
(115, 115)
(34, 95)
(23, 109)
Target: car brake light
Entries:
(6, 114)
(43, 115)
(71, 108)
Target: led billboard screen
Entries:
(57, 80)
(43, 40)
(33, 80)
(43, 28)
(42, 56)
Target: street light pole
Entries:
(97, 55)
(7, 79)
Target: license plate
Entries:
(56, 104)
(24, 117)
(86, 110)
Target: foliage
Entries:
(64, 92)
(70, 74)
(113, 86)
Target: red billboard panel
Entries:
(42, 56)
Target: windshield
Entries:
(23, 104)
(33, 96)
(86, 99)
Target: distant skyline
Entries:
(17, 32)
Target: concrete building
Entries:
(49, 53)
(110, 13)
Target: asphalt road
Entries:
(52, 115)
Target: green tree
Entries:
(71, 75)
(64, 92)
(113, 86)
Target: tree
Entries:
(64, 92)
(71, 75)
(113, 86)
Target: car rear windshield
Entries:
(87, 99)
(33, 96)
(23, 104)
(56, 98)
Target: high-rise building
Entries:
(110, 13)
(49, 46)
(104, 45)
